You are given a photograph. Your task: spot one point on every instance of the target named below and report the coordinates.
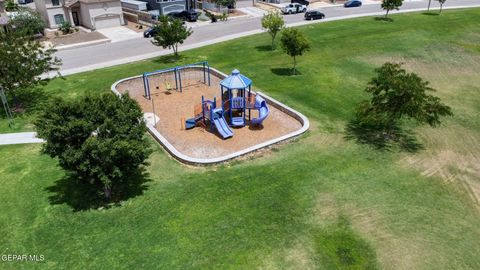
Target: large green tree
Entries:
(396, 95)
(389, 5)
(295, 44)
(169, 33)
(273, 23)
(99, 139)
(23, 60)
(27, 22)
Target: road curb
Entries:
(83, 44)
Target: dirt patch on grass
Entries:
(78, 37)
(451, 167)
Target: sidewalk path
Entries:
(19, 138)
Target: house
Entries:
(92, 14)
(163, 7)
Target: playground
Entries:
(205, 114)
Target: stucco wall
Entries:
(51, 12)
(40, 7)
(45, 8)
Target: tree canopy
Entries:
(23, 60)
(99, 139)
(389, 5)
(396, 95)
(27, 22)
(273, 23)
(169, 33)
(294, 43)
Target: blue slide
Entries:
(192, 122)
(263, 111)
(221, 124)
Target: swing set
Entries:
(184, 76)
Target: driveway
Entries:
(119, 33)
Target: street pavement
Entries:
(109, 54)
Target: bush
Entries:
(66, 28)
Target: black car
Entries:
(353, 3)
(150, 32)
(314, 15)
(186, 15)
(301, 2)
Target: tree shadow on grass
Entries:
(381, 139)
(264, 48)
(430, 13)
(285, 72)
(383, 19)
(81, 195)
(168, 59)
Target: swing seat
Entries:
(168, 86)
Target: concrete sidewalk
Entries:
(19, 138)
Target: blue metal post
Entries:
(144, 86)
(204, 74)
(221, 95)
(176, 80)
(208, 68)
(230, 103)
(244, 104)
(180, 79)
(203, 112)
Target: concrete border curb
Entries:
(199, 161)
(83, 44)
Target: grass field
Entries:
(319, 202)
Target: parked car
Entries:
(186, 15)
(314, 15)
(301, 2)
(24, 2)
(353, 3)
(150, 32)
(293, 8)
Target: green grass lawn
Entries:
(318, 202)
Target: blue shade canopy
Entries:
(236, 81)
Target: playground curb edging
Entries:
(210, 161)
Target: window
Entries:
(55, 2)
(59, 19)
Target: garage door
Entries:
(109, 21)
(173, 8)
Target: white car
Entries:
(293, 8)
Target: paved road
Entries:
(87, 58)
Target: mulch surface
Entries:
(171, 107)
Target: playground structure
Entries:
(237, 100)
(165, 112)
